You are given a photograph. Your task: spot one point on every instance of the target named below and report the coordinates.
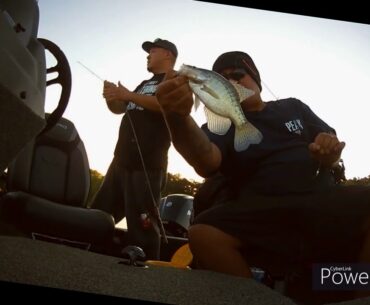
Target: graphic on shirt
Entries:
(294, 126)
(148, 89)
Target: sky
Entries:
(325, 63)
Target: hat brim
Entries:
(147, 45)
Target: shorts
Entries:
(327, 226)
(126, 193)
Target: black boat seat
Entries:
(44, 217)
(47, 189)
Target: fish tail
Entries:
(246, 135)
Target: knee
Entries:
(199, 240)
(198, 235)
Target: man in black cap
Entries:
(138, 170)
(279, 201)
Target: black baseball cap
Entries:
(160, 43)
(237, 60)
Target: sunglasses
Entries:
(236, 75)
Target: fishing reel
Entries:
(133, 256)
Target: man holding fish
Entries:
(276, 157)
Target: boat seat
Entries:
(47, 189)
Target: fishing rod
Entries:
(156, 210)
(92, 72)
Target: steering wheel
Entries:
(64, 78)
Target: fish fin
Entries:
(243, 92)
(246, 135)
(210, 91)
(216, 123)
(196, 102)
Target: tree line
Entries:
(179, 185)
(175, 184)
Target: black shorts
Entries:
(319, 227)
(125, 192)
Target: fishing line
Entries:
(156, 210)
(92, 72)
(260, 78)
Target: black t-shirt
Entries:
(281, 163)
(150, 129)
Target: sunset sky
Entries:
(325, 63)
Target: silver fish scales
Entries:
(222, 105)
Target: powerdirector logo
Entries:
(338, 276)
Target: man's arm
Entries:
(176, 99)
(146, 101)
(117, 98)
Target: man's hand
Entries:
(116, 97)
(124, 92)
(174, 95)
(176, 100)
(326, 148)
(112, 92)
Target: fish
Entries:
(222, 99)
